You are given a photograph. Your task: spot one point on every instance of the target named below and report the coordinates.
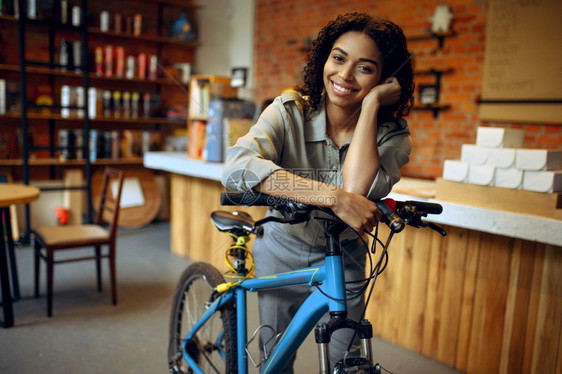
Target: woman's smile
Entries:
(342, 89)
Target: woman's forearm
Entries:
(284, 184)
(362, 162)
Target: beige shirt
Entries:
(286, 137)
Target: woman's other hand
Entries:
(386, 93)
(357, 211)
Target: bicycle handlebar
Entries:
(389, 216)
(251, 198)
(396, 214)
(422, 206)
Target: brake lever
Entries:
(301, 217)
(439, 229)
(431, 225)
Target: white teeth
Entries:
(341, 89)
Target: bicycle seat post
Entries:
(240, 262)
(333, 230)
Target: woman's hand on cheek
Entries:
(386, 93)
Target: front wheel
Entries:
(214, 345)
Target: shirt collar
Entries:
(315, 129)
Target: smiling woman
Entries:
(338, 141)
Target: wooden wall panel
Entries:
(452, 263)
(413, 302)
(432, 322)
(385, 302)
(467, 296)
(490, 302)
(549, 316)
(513, 315)
(480, 303)
(535, 292)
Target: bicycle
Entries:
(201, 342)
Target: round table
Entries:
(10, 194)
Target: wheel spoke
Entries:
(207, 346)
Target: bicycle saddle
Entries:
(235, 222)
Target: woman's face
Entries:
(353, 68)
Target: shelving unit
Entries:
(440, 37)
(437, 72)
(202, 89)
(157, 15)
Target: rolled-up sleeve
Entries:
(394, 150)
(256, 155)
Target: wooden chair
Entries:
(49, 239)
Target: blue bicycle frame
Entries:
(331, 277)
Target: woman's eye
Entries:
(365, 69)
(337, 58)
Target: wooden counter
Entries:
(194, 194)
(487, 298)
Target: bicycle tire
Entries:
(195, 290)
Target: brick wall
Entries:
(284, 26)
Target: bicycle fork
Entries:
(339, 315)
(324, 330)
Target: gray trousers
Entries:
(278, 252)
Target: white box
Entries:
(455, 170)
(501, 157)
(481, 174)
(498, 137)
(508, 178)
(543, 181)
(474, 154)
(538, 159)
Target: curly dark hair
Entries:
(391, 42)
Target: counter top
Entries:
(511, 224)
(517, 225)
(179, 163)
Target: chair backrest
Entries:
(110, 198)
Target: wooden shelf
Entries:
(58, 117)
(163, 81)
(97, 31)
(92, 76)
(429, 71)
(440, 36)
(433, 107)
(143, 38)
(8, 18)
(181, 3)
(47, 161)
(429, 35)
(42, 70)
